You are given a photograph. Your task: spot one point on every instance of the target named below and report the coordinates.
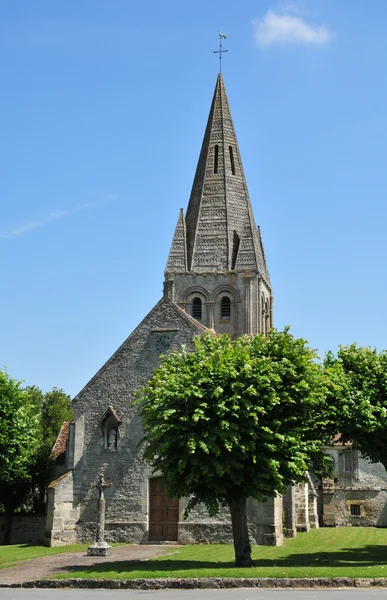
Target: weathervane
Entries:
(222, 36)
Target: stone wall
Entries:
(165, 328)
(62, 514)
(289, 513)
(264, 523)
(357, 494)
(26, 529)
(73, 498)
(301, 498)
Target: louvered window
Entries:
(225, 308)
(216, 158)
(232, 160)
(197, 308)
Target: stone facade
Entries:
(72, 497)
(356, 495)
(216, 280)
(62, 512)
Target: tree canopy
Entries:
(358, 396)
(18, 431)
(233, 419)
(29, 424)
(18, 442)
(53, 408)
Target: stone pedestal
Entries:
(99, 549)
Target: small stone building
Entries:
(356, 495)
(217, 280)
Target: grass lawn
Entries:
(12, 554)
(341, 552)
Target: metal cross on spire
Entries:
(222, 36)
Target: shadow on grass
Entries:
(26, 545)
(348, 557)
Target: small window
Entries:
(316, 465)
(225, 308)
(197, 308)
(348, 461)
(216, 158)
(232, 160)
(355, 510)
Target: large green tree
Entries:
(233, 419)
(29, 425)
(358, 397)
(53, 408)
(19, 422)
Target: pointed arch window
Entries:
(225, 308)
(197, 308)
(232, 161)
(216, 158)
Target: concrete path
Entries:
(45, 566)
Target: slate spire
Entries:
(220, 230)
(177, 259)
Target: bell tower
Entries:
(216, 268)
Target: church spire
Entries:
(219, 209)
(216, 269)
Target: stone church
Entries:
(216, 279)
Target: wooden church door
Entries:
(164, 513)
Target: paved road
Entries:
(348, 594)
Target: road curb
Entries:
(203, 583)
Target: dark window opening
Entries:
(232, 160)
(216, 157)
(348, 461)
(225, 308)
(197, 308)
(355, 510)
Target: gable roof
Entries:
(165, 316)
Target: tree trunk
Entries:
(8, 526)
(240, 533)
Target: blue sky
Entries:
(103, 106)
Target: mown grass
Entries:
(9, 555)
(341, 552)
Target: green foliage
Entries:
(235, 418)
(53, 408)
(29, 425)
(18, 430)
(18, 439)
(358, 396)
(322, 464)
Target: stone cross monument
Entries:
(100, 547)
